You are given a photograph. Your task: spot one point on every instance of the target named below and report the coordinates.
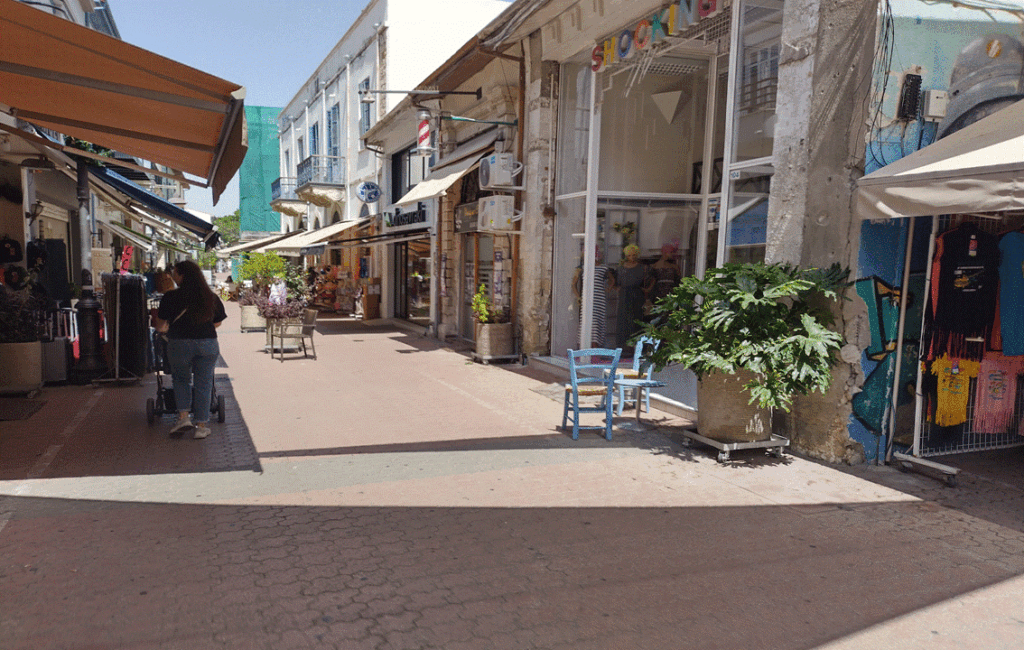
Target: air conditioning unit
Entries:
(497, 171)
(497, 212)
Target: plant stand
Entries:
(776, 444)
(488, 358)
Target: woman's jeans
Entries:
(192, 362)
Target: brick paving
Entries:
(393, 494)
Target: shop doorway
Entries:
(412, 264)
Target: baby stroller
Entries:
(163, 403)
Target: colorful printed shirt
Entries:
(996, 392)
(954, 377)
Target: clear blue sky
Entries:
(270, 47)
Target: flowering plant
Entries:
(627, 230)
(290, 308)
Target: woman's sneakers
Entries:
(183, 425)
(201, 431)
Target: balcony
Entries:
(283, 198)
(321, 180)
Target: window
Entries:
(314, 139)
(364, 108)
(301, 146)
(287, 162)
(408, 169)
(333, 145)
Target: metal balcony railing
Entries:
(323, 170)
(284, 188)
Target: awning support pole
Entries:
(904, 299)
(90, 364)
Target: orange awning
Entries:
(79, 82)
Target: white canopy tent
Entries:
(977, 169)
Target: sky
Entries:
(269, 46)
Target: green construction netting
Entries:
(259, 169)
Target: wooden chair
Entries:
(642, 369)
(294, 331)
(591, 374)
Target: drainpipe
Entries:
(90, 364)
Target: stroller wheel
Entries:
(150, 410)
(220, 408)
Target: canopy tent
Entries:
(979, 168)
(142, 199)
(295, 245)
(82, 83)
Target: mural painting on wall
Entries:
(971, 60)
(883, 302)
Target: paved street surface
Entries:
(393, 494)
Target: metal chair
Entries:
(642, 369)
(591, 374)
(295, 331)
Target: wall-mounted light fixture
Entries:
(34, 210)
(367, 96)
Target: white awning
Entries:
(293, 245)
(266, 248)
(977, 169)
(440, 179)
(241, 247)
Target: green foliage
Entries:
(206, 259)
(229, 227)
(770, 319)
(483, 310)
(262, 269)
(22, 307)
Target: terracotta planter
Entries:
(251, 319)
(21, 367)
(723, 411)
(494, 339)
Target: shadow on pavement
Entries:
(732, 578)
(116, 440)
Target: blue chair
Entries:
(642, 369)
(591, 374)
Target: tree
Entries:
(229, 226)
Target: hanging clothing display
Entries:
(996, 392)
(954, 378)
(965, 276)
(1011, 293)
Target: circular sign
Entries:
(368, 192)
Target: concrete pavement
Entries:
(392, 494)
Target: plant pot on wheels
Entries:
(493, 340)
(724, 412)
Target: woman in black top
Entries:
(194, 313)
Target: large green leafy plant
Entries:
(770, 319)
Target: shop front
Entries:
(665, 124)
(407, 228)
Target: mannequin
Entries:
(601, 280)
(665, 272)
(634, 283)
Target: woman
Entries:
(194, 313)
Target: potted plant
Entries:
(493, 326)
(22, 311)
(755, 335)
(260, 270)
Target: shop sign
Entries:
(409, 217)
(639, 37)
(368, 192)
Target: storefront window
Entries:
(756, 61)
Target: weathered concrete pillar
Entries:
(825, 68)
(538, 220)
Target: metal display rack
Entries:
(931, 440)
